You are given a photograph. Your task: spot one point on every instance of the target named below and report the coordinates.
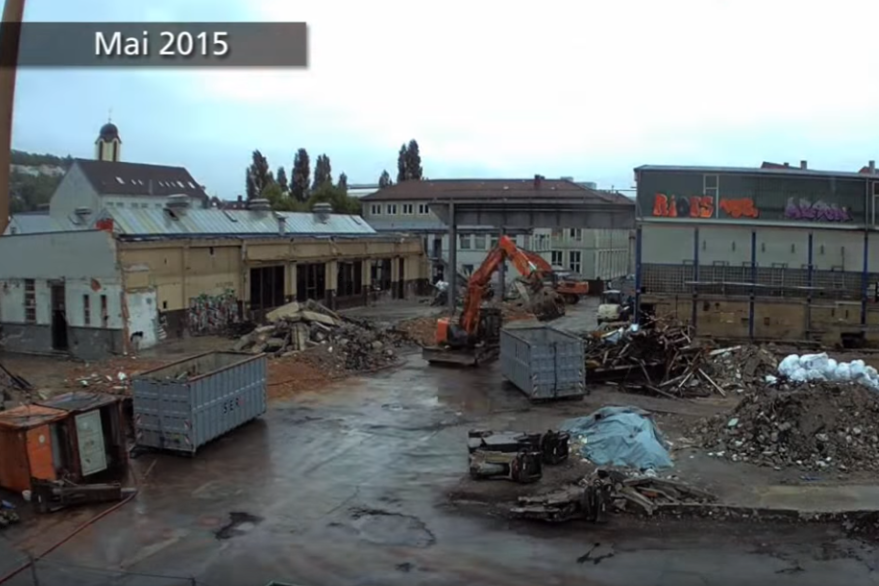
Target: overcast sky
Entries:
(489, 88)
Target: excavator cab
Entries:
(454, 346)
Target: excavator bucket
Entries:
(547, 305)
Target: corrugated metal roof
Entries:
(37, 224)
(79, 401)
(158, 222)
(27, 416)
(795, 171)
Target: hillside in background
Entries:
(33, 179)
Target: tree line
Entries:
(29, 192)
(303, 188)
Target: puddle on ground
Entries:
(388, 528)
(239, 524)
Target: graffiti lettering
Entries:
(669, 206)
(740, 208)
(212, 314)
(818, 211)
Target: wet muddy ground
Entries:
(350, 486)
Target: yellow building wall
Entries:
(179, 270)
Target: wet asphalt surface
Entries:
(349, 487)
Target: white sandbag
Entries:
(830, 369)
(787, 366)
(843, 372)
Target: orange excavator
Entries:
(569, 290)
(475, 336)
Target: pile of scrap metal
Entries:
(49, 496)
(8, 516)
(592, 498)
(515, 456)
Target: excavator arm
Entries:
(481, 278)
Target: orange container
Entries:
(26, 440)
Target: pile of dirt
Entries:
(109, 376)
(814, 426)
(421, 330)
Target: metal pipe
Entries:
(13, 11)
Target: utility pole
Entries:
(13, 12)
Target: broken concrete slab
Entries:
(290, 310)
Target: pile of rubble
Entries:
(815, 426)
(665, 360)
(330, 340)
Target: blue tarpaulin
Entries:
(619, 436)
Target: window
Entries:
(710, 185)
(465, 242)
(876, 189)
(574, 261)
(105, 314)
(493, 244)
(468, 269)
(375, 209)
(391, 209)
(543, 242)
(557, 260)
(30, 301)
(576, 234)
(86, 310)
(423, 209)
(408, 209)
(479, 242)
(526, 241)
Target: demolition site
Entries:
(339, 419)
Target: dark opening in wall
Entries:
(349, 279)
(266, 287)
(380, 274)
(311, 281)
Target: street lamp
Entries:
(13, 11)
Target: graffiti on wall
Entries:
(818, 211)
(670, 206)
(212, 314)
(742, 207)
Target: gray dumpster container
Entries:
(184, 405)
(545, 363)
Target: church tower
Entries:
(108, 147)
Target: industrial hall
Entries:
(128, 254)
(773, 252)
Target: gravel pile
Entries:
(815, 426)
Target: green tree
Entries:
(414, 171)
(343, 182)
(281, 179)
(401, 165)
(249, 184)
(301, 176)
(385, 180)
(259, 175)
(338, 198)
(323, 171)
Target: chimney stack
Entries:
(872, 165)
(322, 210)
(537, 180)
(150, 186)
(282, 225)
(804, 164)
(787, 164)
